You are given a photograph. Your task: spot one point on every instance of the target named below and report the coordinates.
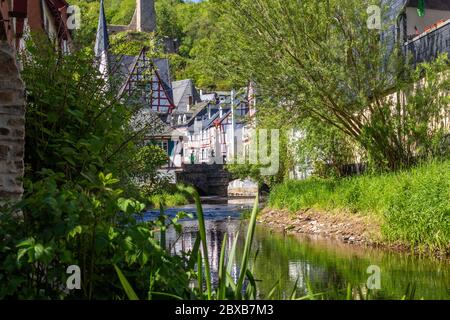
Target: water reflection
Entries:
(314, 264)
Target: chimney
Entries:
(144, 19)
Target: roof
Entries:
(162, 66)
(124, 65)
(198, 108)
(182, 90)
(150, 121)
(224, 116)
(102, 39)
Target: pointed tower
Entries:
(102, 42)
(144, 19)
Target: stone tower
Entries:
(144, 18)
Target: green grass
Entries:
(172, 197)
(169, 200)
(413, 205)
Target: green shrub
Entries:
(172, 196)
(71, 212)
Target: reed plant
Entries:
(227, 288)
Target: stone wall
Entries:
(12, 125)
(210, 180)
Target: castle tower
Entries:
(144, 18)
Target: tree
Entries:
(318, 60)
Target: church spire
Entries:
(102, 41)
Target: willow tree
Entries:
(320, 60)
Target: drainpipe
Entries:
(233, 141)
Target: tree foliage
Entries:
(192, 26)
(319, 61)
(82, 153)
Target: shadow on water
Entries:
(325, 265)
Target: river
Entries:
(315, 265)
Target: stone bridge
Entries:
(209, 179)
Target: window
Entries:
(163, 145)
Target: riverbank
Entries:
(355, 229)
(403, 210)
(347, 228)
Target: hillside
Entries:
(191, 26)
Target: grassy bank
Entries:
(413, 205)
(172, 197)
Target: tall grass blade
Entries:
(251, 287)
(273, 290)
(126, 285)
(166, 295)
(231, 257)
(222, 270)
(163, 229)
(294, 290)
(349, 291)
(247, 247)
(202, 230)
(232, 254)
(360, 293)
(230, 282)
(194, 253)
(200, 273)
(311, 294)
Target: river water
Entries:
(315, 265)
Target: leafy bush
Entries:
(72, 213)
(171, 196)
(93, 227)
